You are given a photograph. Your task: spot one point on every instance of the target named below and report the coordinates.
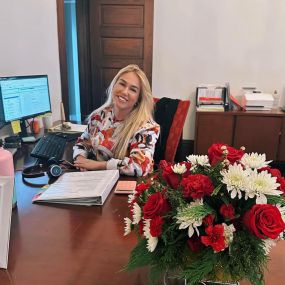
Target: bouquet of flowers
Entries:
(212, 217)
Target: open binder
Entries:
(80, 188)
(6, 197)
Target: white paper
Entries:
(6, 197)
(80, 187)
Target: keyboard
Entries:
(48, 146)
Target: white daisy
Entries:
(261, 184)
(137, 213)
(196, 160)
(151, 241)
(186, 221)
(254, 160)
(179, 168)
(128, 226)
(235, 179)
(282, 211)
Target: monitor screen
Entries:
(23, 97)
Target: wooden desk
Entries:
(77, 245)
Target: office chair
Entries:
(170, 114)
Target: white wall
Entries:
(29, 43)
(206, 41)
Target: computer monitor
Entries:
(23, 97)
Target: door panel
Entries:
(258, 134)
(119, 33)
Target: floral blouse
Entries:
(98, 140)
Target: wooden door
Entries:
(111, 35)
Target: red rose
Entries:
(208, 220)
(140, 188)
(264, 221)
(155, 205)
(155, 226)
(197, 186)
(172, 179)
(227, 211)
(215, 238)
(195, 244)
(215, 153)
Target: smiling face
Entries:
(125, 94)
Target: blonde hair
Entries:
(141, 113)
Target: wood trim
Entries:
(148, 30)
(62, 55)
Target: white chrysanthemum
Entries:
(151, 241)
(229, 233)
(191, 223)
(137, 213)
(128, 226)
(254, 160)
(261, 184)
(196, 160)
(131, 198)
(179, 168)
(268, 244)
(235, 179)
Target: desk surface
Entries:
(77, 245)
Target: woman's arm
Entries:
(140, 160)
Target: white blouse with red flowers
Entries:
(99, 139)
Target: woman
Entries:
(121, 134)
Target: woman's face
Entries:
(126, 92)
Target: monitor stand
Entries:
(24, 134)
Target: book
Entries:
(6, 198)
(125, 187)
(80, 188)
(211, 108)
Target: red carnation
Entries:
(195, 244)
(155, 205)
(208, 220)
(172, 179)
(215, 153)
(156, 226)
(140, 188)
(215, 237)
(281, 181)
(227, 211)
(264, 220)
(197, 186)
(273, 171)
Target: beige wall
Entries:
(29, 43)
(195, 41)
(204, 41)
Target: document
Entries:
(72, 128)
(6, 197)
(80, 188)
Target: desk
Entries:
(77, 245)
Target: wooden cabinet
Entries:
(262, 132)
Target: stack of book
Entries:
(257, 101)
(210, 98)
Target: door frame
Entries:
(62, 55)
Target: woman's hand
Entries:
(84, 164)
